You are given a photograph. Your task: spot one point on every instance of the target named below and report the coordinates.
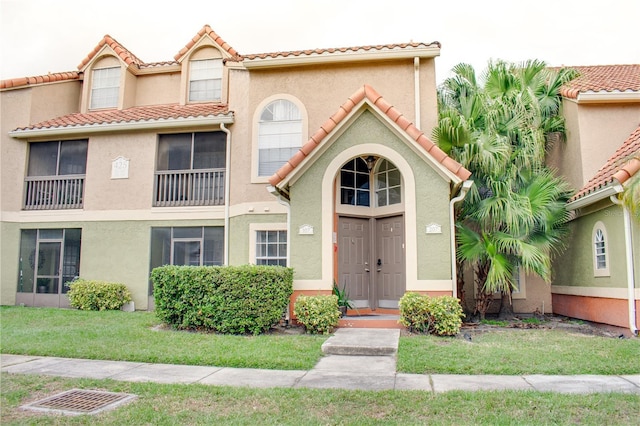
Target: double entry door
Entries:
(371, 260)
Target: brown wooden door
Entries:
(390, 265)
(354, 251)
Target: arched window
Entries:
(600, 250)
(279, 135)
(355, 182)
(388, 184)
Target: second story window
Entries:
(205, 80)
(190, 169)
(55, 175)
(105, 88)
(279, 135)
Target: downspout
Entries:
(466, 186)
(227, 191)
(416, 84)
(630, 274)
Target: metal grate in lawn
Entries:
(80, 401)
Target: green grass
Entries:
(159, 404)
(516, 352)
(134, 336)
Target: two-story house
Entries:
(314, 159)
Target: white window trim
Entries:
(192, 80)
(256, 131)
(118, 102)
(600, 272)
(254, 227)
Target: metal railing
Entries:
(189, 188)
(54, 192)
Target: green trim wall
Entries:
(239, 234)
(432, 202)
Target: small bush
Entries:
(318, 314)
(92, 295)
(440, 315)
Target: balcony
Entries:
(176, 188)
(54, 192)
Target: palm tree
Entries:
(500, 130)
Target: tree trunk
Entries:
(506, 306)
(460, 287)
(483, 299)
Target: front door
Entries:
(371, 260)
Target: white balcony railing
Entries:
(189, 188)
(54, 192)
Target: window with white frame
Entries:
(105, 88)
(600, 250)
(205, 80)
(357, 175)
(271, 247)
(279, 135)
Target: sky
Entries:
(42, 36)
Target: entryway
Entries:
(371, 260)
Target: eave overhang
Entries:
(87, 129)
(595, 196)
(340, 57)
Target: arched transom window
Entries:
(279, 135)
(360, 174)
(600, 250)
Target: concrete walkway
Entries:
(362, 359)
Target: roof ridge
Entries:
(368, 92)
(206, 30)
(125, 54)
(300, 52)
(39, 79)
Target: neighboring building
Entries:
(598, 278)
(313, 159)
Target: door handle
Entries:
(366, 269)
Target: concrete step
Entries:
(370, 321)
(362, 342)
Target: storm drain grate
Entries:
(77, 401)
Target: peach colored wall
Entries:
(21, 108)
(594, 133)
(393, 80)
(596, 309)
(104, 193)
(538, 297)
(147, 92)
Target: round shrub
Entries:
(93, 295)
(440, 315)
(318, 314)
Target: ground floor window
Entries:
(49, 260)
(193, 246)
(271, 248)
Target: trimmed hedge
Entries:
(226, 299)
(318, 314)
(93, 295)
(440, 315)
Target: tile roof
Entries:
(622, 165)
(310, 52)
(367, 92)
(206, 30)
(603, 78)
(124, 54)
(49, 78)
(132, 115)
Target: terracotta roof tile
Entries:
(619, 168)
(374, 97)
(603, 78)
(311, 52)
(124, 54)
(49, 78)
(206, 30)
(132, 115)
